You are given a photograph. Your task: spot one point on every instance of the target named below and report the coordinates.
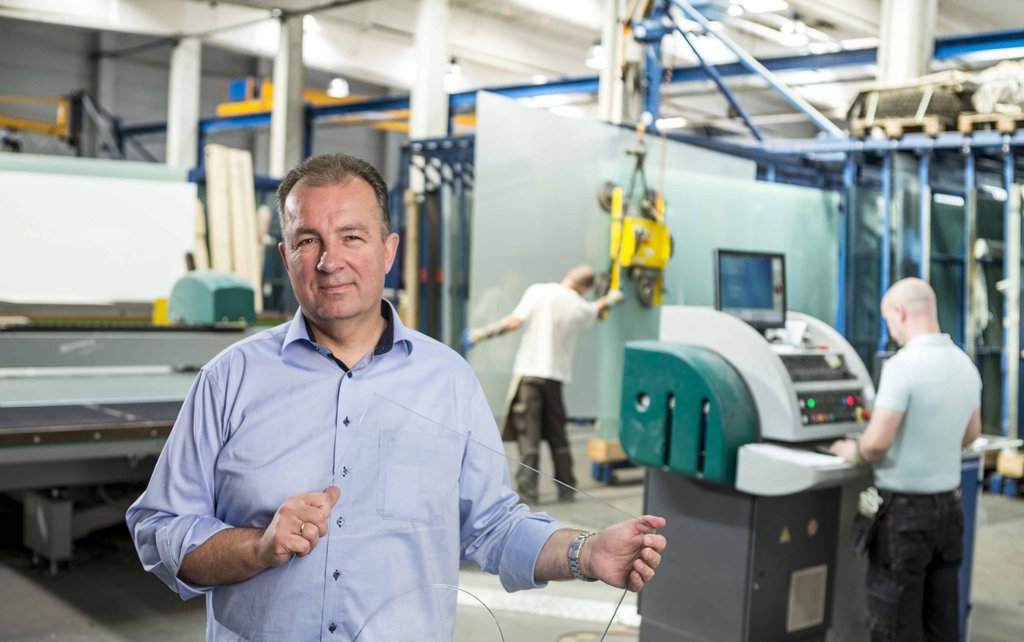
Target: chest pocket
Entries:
(418, 475)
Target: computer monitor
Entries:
(752, 287)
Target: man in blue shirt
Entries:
(927, 410)
(323, 469)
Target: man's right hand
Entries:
(297, 526)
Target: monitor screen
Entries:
(752, 287)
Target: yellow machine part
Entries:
(617, 223)
(264, 102)
(641, 242)
(57, 127)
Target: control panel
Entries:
(817, 367)
(832, 406)
(808, 383)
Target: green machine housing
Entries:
(209, 297)
(685, 409)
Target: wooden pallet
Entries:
(897, 127)
(1005, 123)
(605, 451)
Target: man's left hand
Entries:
(844, 448)
(624, 555)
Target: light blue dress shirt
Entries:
(408, 438)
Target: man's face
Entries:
(334, 253)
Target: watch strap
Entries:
(574, 558)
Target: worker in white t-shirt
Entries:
(554, 314)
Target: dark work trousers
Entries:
(539, 413)
(915, 555)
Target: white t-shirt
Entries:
(553, 316)
(937, 387)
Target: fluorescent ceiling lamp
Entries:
(949, 199)
(549, 101)
(674, 122)
(824, 47)
(539, 79)
(997, 193)
(338, 88)
(310, 24)
(763, 6)
(735, 10)
(859, 43)
(598, 57)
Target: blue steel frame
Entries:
(451, 161)
(720, 82)
(886, 246)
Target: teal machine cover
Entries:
(208, 297)
(685, 409)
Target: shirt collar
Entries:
(934, 339)
(394, 331)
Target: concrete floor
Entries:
(104, 596)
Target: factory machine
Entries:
(87, 399)
(729, 411)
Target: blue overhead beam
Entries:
(953, 46)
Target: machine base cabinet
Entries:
(741, 567)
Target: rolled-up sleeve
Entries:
(175, 515)
(497, 532)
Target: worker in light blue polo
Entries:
(911, 524)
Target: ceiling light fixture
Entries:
(453, 67)
(674, 122)
(763, 6)
(597, 57)
(338, 88)
(539, 79)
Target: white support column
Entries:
(428, 101)
(610, 87)
(287, 124)
(907, 39)
(183, 103)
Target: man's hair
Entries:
(582, 276)
(335, 169)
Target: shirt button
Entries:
(341, 522)
(337, 574)
(332, 628)
(349, 374)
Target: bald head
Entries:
(580, 278)
(909, 309)
(913, 295)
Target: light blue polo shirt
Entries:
(937, 387)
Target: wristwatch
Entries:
(574, 558)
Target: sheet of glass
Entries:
(418, 495)
(89, 239)
(536, 214)
(91, 167)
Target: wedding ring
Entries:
(301, 527)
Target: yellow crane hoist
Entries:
(640, 240)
